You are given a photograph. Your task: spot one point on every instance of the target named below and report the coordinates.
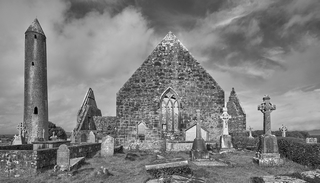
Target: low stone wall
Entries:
(84, 150)
(20, 162)
(17, 147)
(178, 146)
(16, 162)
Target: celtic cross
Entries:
(266, 108)
(225, 118)
(283, 129)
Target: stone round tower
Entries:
(35, 84)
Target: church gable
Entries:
(87, 111)
(170, 65)
(237, 123)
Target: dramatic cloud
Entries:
(259, 47)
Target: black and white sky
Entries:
(258, 47)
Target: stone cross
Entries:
(283, 129)
(266, 108)
(198, 127)
(53, 137)
(21, 130)
(225, 118)
(250, 132)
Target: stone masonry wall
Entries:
(19, 162)
(169, 65)
(237, 123)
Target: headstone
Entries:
(199, 150)
(283, 129)
(20, 138)
(63, 157)
(53, 137)
(92, 137)
(225, 138)
(107, 146)
(250, 132)
(268, 152)
(311, 140)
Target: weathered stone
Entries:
(268, 152)
(63, 157)
(131, 156)
(283, 129)
(311, 140)
(276, 179)
(107, 146)
(92, 137)
(311, 176)
(35, 116)
(225, 138)
(209, 163)
(238, 121)
(199, 150)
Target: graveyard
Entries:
(173, 124)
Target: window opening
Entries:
(170, 111)
(32, 63)
(35, 111)
(35, 36)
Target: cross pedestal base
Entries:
(268, 144)
(199, 150)
(268, 159)
(225, 142)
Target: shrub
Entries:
(300, 152)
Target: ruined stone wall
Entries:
(31, 161)
(106, 125)
(237, 123)
(17, 147)
(170, 65)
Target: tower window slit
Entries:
(35, 110)
(35, 36)
(32, 63)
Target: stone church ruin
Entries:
(160, 99)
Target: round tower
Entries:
(35, 84)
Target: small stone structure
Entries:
(225, 138)
(268, 152)
(63, 157)
(107, 146)
(20, 138)
(250, 132)
(199, 150)
(92, 137)
(283, 129)
(311, 140)
(192, 130)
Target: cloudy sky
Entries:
(257, 46)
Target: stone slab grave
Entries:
(163, 167)
(276, 179)
(107, 146)
(63, 159)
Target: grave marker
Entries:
(63, 157)
(283, 129)
(107, 146)
(311, 140)
(92, 137)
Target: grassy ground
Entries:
(126, 171)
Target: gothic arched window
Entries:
(169, 115)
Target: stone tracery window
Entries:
(169, 116)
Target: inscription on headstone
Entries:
(63, 157)
(92, 137)
(107, 146)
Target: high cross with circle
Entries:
(266, 108)
(225, 118)
(283, 129)
(21, 128)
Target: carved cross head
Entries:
(225, 116)
(266, 105)
(283, 128)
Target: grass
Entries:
(126, 171)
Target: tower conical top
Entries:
(35, 27)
